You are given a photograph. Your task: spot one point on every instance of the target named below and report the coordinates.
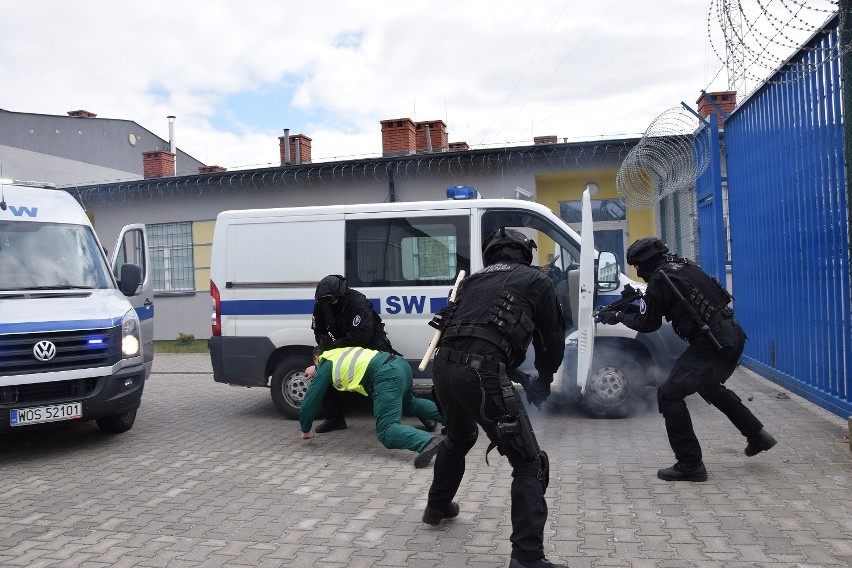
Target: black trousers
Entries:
(703, 369)
(459, 390)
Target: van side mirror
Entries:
(607, 272)
(130, 278)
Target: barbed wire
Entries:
(461, 165)
(670, 157)
(758, 36)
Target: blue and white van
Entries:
(76, 329)
(405, 257)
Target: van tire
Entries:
(615, 376)
(118, 424)
(289, 385)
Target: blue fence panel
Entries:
(712, 244)
(789, 232)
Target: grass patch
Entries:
(195, 346)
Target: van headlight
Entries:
(130, 340)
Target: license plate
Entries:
(40, 414)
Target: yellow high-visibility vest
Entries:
(348, 365)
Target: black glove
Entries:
(536, 388)
(608, 318)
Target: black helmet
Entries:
(509, 244)
(645, 249)
(331, 287)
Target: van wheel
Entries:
(117, 424)
(615, 375)
(289, 385)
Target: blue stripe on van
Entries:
(267, 307)
(145, 313)
(435, 304)
(44, 326)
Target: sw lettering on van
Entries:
(404, 257)
(76, 341)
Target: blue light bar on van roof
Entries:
(462, 192)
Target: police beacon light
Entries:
(462, 192)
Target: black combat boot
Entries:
(540, 563)
(684, 472)
(432, 516)
(331, 423)
(760, 442)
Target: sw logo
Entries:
(407, 304)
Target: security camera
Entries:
(521, 192)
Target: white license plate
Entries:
(40, 414)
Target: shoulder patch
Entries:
(642, 306)
(356, 321)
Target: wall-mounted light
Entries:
(592, 187)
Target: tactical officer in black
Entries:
(497, 313)
(697, 306)
(344, 317)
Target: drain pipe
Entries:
(286, 145)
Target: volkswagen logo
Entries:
(44, 350)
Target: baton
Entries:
(437, 337)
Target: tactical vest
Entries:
(703, 292)
(492, 314)
(348, 365)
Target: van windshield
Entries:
(50, 256)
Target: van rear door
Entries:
(131, 248)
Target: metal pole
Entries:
(845, 51)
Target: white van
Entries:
(76, 338)
(404, 257)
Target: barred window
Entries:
(171, 256)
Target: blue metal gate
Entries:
(788, 224)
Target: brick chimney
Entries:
(211, 169)
(300, 149)
(544, 139)
(437, 136)
(398, 137)
(82, 113)
(726, 100)
(158, 163)
(458, 146)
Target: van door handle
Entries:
(148, 303)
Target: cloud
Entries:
(236, 73)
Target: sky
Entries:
(235, 74)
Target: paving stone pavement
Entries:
(212, 475)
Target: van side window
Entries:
(421, 251)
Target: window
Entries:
(413, 251)
(171, 257)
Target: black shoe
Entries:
(684, 472)
(760, 442)
(429, 425)
(336, 423)
(435, 516)
(540, 563)
(424, 456)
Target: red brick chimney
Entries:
(437, 136)
(211, 169)
(544, 139)
(726, 100)
(82, 113)
(158, 163)
(300, 149)
(458, 146)
(398, 137)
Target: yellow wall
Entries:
(202, 241)
(551, 188)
